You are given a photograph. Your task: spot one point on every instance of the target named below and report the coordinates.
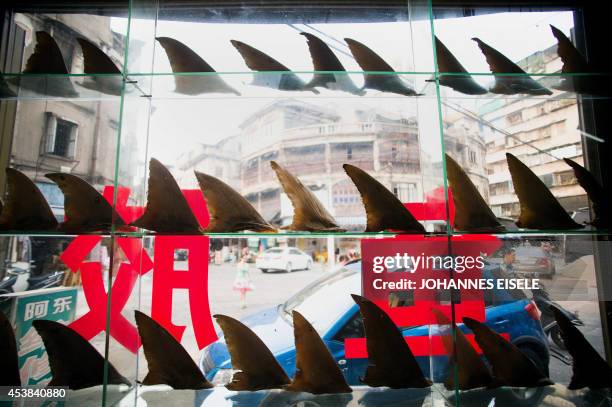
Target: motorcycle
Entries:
(549, 324)
(17, 279)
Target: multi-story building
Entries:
(75, 136)
(221, 160)
(540, 132)
(464, 142)
(313, 142)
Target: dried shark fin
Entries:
(447, 63)
(573, 60)
(602, 207)
(86, 209)
(47, 59)
(97, 62)
(258, 61)
(324, 59)
(316, 370)
(74, 362)
(25, 207)
(9, 374)
(167, 210)
(229, 211)
(509, 85)
(168, 362)
(575, 63)
(368, 60)
(510, 366)
(257, 367)
(588, 367)
(390, 360)
(184, 59)
(309, 214)
(472, 213)
(384, 211)
(539, 208)
(472, 372)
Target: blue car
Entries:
(327, 304)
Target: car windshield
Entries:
(323, 301)
(274, 251)
(497, 296)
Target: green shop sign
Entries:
(54, 304)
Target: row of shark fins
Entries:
(183, 59)
(167, 210)
(47, 58)
(76, 364)
(539, 209)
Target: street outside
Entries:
(270, 290)
(274, 288)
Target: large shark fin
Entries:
(168, 362)
(167, 210)
(316, 370)
(74, 362)
(25, 207)
(256, 366)
(390, 360)
(229, 211)
(309, 214)
(384, 211)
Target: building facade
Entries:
(538, 131)
(75, 136)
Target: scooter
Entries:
(18, 278)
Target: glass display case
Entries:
(463, 115)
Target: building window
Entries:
(349, 153)
(52, 193)
(510, 209)
(515, 117)
(472, 157)
(547, 179)
(61, 136)
(405, 192)
(500, 188)
(565, 178)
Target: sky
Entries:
(407, 48)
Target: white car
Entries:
(283, 258)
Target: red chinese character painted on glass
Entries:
(420, 301)
(165, 277)
(195, 279)
(94, 288)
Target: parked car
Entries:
(283, 258)
(577, 246)
(327, 304)
(532, 261)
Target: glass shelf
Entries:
(69, 87)
(244, 84)
(232, 123)
(532, 232)
(282, 84)
(317, 235)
